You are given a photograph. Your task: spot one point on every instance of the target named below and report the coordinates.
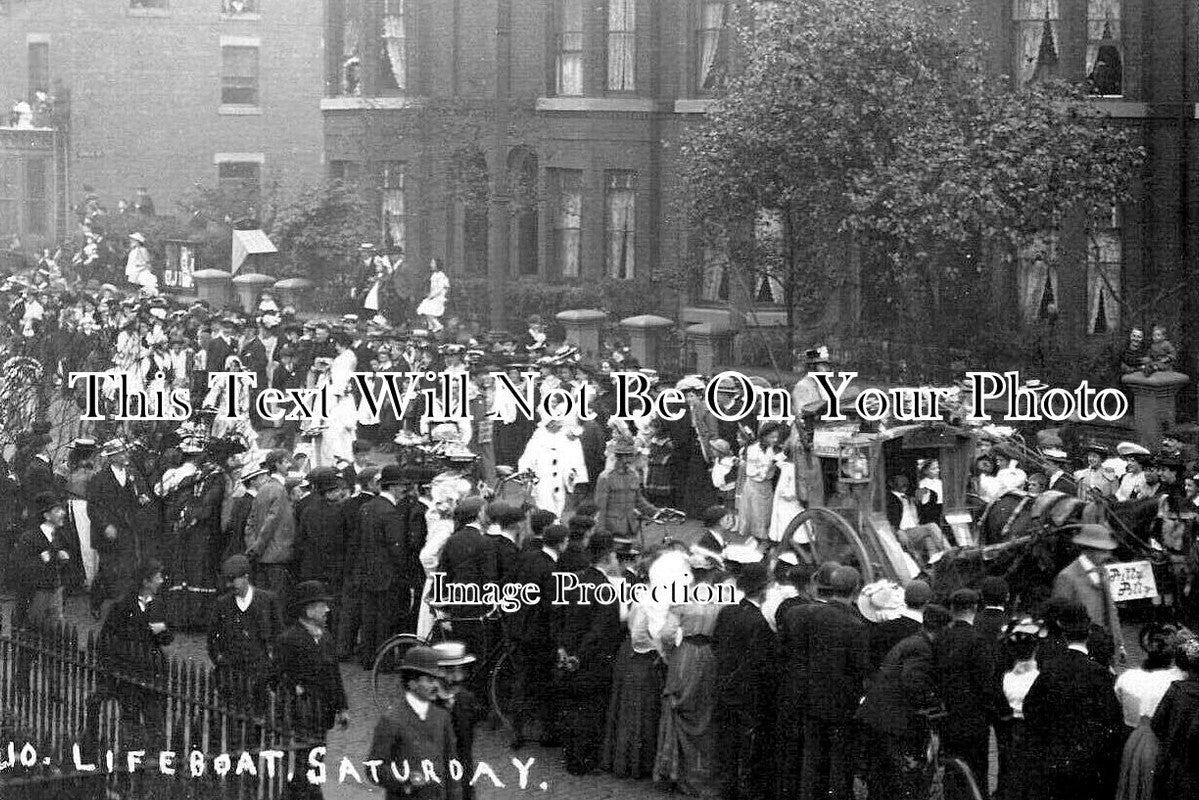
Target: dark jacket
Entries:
(592, 633)
(832, 647)
(235, 534)
(906, 683)
(969, 682)
(127, 643)
(505, 553)
(387, 555)
(304, 663)
(322, 533)
(37, 477)
(1073, 723)
(468, 558)
(744, 647)
(886, 635)
(532, 625)
(404, 739)
(244, 639)
(352, 508)
(30, 573)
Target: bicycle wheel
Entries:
(502, 690)
(953, 780)
(385, 673)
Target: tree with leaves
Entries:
(886, 156)
(319, 232)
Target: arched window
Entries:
(522, 168)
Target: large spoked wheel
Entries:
(385, 673)
(502, 690)
(830, 538)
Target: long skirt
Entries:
(1138, 765)
(686, 736)
(631, 739)
(754, 509)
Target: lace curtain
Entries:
(710, 30)
(1036, 278)
(1105, 68)
(622, 45)
(568, 225)
(1103, 282)
(621, 233)
(395, 43)
(1037, 38)
(570, 48)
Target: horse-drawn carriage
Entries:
(1023, 538)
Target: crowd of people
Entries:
(809, 682)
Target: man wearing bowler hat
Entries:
(113, 500)
(241, 633)
(1085, 581)
(305, 657)
(38, 560)
(414, 731)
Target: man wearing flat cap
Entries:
(271, 527)
(1085, 580)
(242, 630)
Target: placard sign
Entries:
(1132, 580)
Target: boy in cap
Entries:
(241, 633)
(415, 731)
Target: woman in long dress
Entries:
(787, 500)
(686, 737)
(759, 462)
(1140, 691)
(432, 308)
(445, 492)
(631, 741)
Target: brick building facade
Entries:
(164, 94)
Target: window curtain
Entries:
(711, 23)
(1036, 270)
(395, 43)
(393, 218)
(569, 225)
(351, 62)
(1037, 45)
(570, 48)
(715, 275)
(1105, 69)
(622, 45)
(1103, 282)
(621, 230)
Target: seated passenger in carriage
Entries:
(1133, 484)
(1011, 477)
(921, 541)
(988, 485)
(1094, 478)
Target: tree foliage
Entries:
(319, 231)
(873, 123)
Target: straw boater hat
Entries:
(113, 447)
(422, 660)
(453, 654)
(1095, 537)
(881, 601)
(1132, 450)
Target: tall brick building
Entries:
(163, 94)
(539, 138)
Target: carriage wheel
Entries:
(831, 538)
(502, 690)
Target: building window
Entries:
(38, 68)
(568, 220)
(241, 178)
(36, 192)
(570, 48)
(1036, 25)
(1103, 281)
(394, 62)
(620, 203)
(234, 7)
(710, 47)
(9, 191)
(768, 258)
(1036, 279)
(392, 206)
(239, 76)
(1105, 64)
(160, 4)
(349, 172)
(622, 45)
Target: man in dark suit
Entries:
(271, 527)
(834, 651)
(533, 632)
(113, 500)
(468, 559)
(744, 647)
(415, 730)
(241, 634)
(1073, 720)
(388, 570)
(131, 642)
(349, 622)
(38, 561)
(254, 359)
(465, 709)
(322, 531)
(888, 633)
(37, 477)
(505, 522)
(220, 347)
(306, 669)
(993, 616)
(588, 637)
(894, 734)
(970, 686)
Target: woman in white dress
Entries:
(445, 492)
(341, 426)
(432, 308)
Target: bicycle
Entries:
(494, 677)
(665, 516)
(947, 778)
